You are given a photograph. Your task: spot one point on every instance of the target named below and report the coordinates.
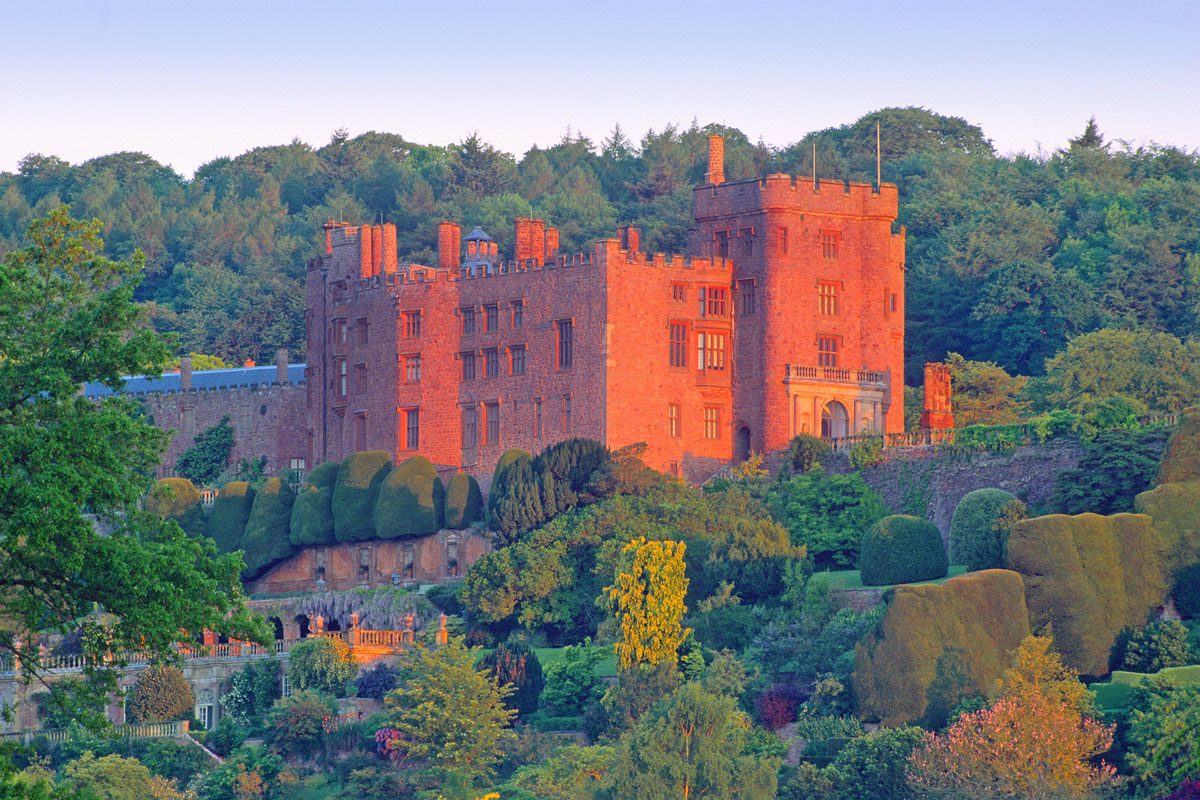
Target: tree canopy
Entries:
(72, 538)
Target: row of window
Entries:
(711, 421)
(480, 424)
(741, 242)
(491, 317)
(710, 348)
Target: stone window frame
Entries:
(677, 332)
(673, 420)
(412, 427)
(564, 344)
(829, 295)
(516, 314)
(412, 324)
(831, 244)
(491, 317)
(470, 426)
(829, 345)
(517, 357)
(712, 423)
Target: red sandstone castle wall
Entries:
(646, 294)
(774, 233)
(268, 420)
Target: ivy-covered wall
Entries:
(931, 487)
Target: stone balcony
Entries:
(796, 373)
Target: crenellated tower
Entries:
(818, 300)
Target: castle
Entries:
(786, 316)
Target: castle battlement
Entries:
(781, 191)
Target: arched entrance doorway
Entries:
(835, 422)
(741, 444)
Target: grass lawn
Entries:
(849, 579)
(607, 668)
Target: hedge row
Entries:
(938, 644)
(362, 498)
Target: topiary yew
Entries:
(937, 644)
(902, 549)
(464, 502)
(410, 501)
(979, 528)
(1181, 457)
(355, 493)
(230, 511)
(178, 499)
(160, 694)
(265, 540)
(804, 452)
(1088, 577)
(312, 513)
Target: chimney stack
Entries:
(281, 365)
(389, 249)
(631, 238)
(716, 161)
(522, 239)
(449, 246)
(376, 249)
(938, 414)
(364, 251)
(551, 243)
(185, 373)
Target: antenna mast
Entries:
(878, 160)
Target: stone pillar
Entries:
(352, 634)
(443, 635)
(185, 373)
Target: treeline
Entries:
(1008, 256)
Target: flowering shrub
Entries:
(1020, 747)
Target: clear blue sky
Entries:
(190, 80)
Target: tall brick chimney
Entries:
(376, 249)
(551, 243)
(281, 365)
(364, 251)
(185, 373)
(537, 241)
(449, 246)
(716, 160)
(631, 237)
(522, 239)
(389, 249)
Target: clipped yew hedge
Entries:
(1181, 456)
(902, 549)
(178, 499)
(355, 492)
(265, 540)
(938, 644)
(979, 528)
(312, 513)
(1088, 577)
(227, 521)
(464, 502)
(410, 501)
(160, 694)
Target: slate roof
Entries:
(205, 380)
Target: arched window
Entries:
(835, 422)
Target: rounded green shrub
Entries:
(804, 452)
(160, 694)
(265, 540)
(410, 501)
(227, 521)
(902, 549)
(178, 499)
(322, 664)
(464, 503)
(354, 495)
(979, 528)
(312, 513)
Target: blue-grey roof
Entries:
(477, 235)
(202, 380)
